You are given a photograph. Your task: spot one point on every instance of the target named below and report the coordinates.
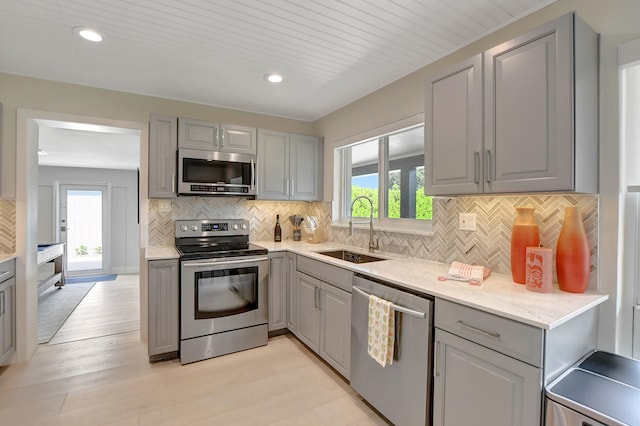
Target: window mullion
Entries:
(383, 166)
(346, 183)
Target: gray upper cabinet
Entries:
(540, 114)
(305, 164)
(197, 134)
(208, 136)
(163, 145)
(239, 139)
(273, 165)
(453, 134)
(289, 166)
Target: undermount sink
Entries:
(350, 256)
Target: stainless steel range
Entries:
(223, 289)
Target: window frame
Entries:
(342, 175)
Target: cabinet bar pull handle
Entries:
(2, 275)
(436, 367)
(173, 182)
(478, 330)
(487, 164)
(476, 158)
(293, 187)
(315, 297)
(2, 297)
(395, 307)
(221, 132)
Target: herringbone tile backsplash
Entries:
(7, 226)
(489, 245)
(262, 215)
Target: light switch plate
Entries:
(467, 221)
(164, 206)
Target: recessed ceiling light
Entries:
(88, 34)
(273, 78)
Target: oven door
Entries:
(218, 295)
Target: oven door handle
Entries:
(223, 261)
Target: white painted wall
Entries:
(124, 209)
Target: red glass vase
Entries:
(525, 233)
(572, 253)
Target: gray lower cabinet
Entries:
(292, 293)
(7, 311)
(324, 311)
(309, 289)
(492, 370)
(477, 385)
(163, 146)
(335, 336)
(164, 299)
(277, 291)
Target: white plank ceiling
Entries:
(216, 52)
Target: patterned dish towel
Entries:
(472, 274)
(381, 333)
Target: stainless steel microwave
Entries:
(216, 173)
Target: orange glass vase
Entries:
(525, 233)
(572, 253)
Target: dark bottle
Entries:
(277, 232)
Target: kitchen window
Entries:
(388, 168)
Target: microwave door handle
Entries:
(253, 175)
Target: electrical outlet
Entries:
(467, 221)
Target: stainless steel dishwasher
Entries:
(401, 391)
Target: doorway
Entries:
(29, 126)
(84, 225)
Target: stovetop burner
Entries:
(214, 238)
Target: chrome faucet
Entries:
(372, 246)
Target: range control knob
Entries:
(244, 226)
(183, 228)
(235, 226)
(194, 228)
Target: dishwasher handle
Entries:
(397, 308)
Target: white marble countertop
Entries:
(160, 252)
(498, 294)
(5, 257)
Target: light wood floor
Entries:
(96, 372)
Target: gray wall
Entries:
(124, 209)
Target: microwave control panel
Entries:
(220, 188)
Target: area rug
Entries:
(90, 279)
(55, 305)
